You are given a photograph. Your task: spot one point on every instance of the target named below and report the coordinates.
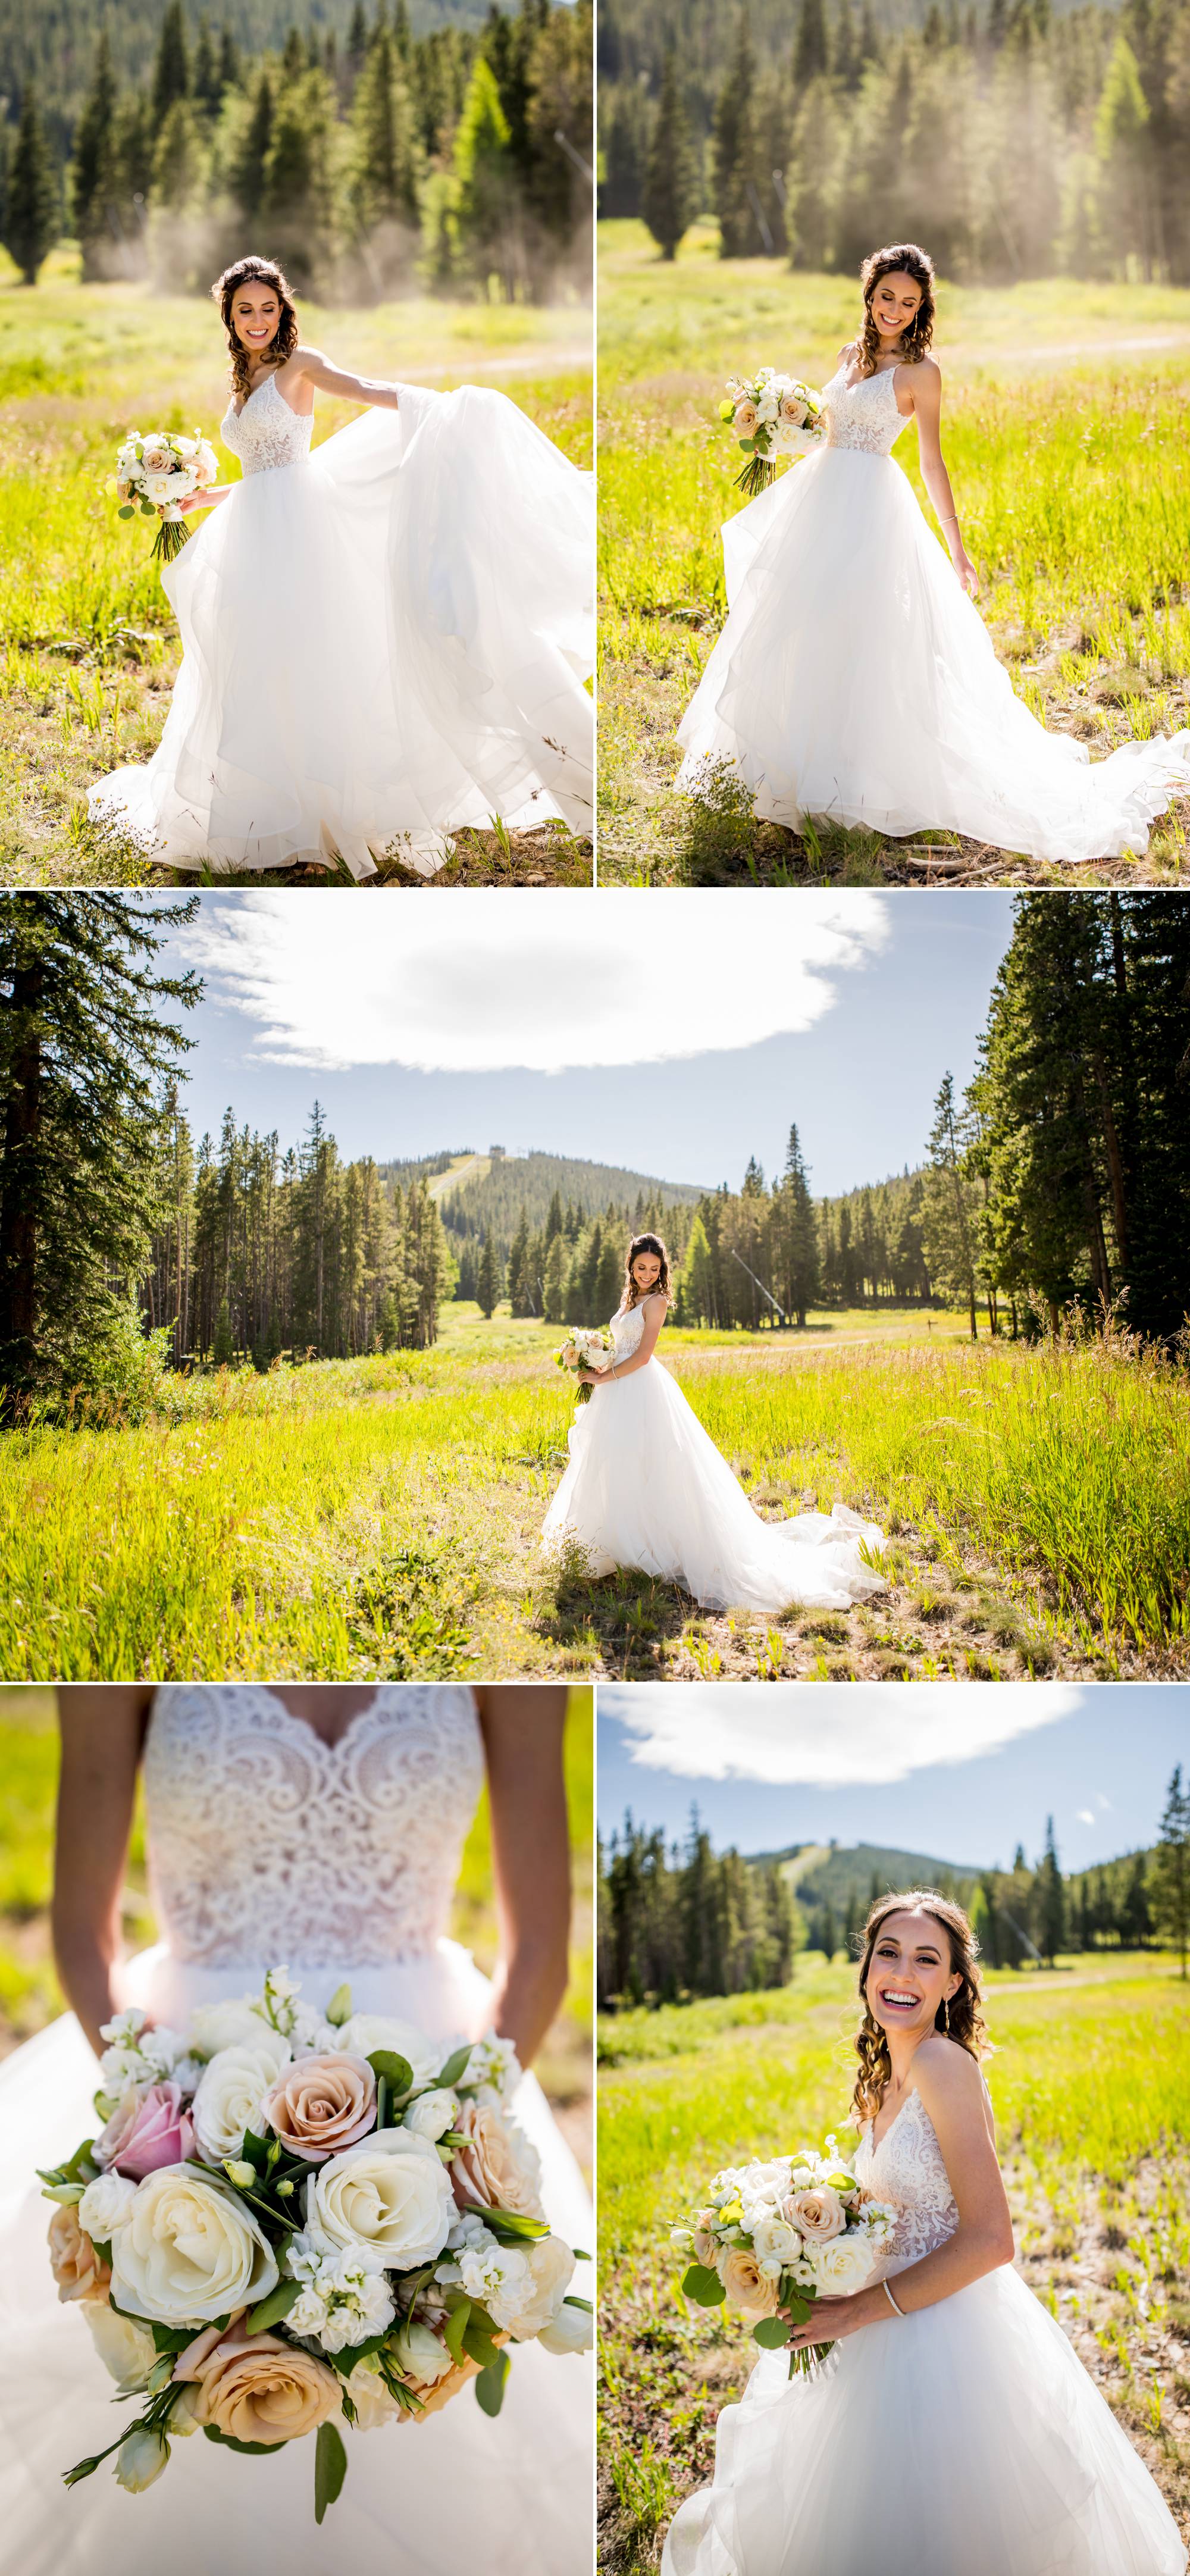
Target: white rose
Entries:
(572, 2330)
(366, 2032)
(227, 2025)
(432, 2114)
(232, 2093)
(189, 2251)
(159, 488)
(525, 2307)
(105, 2205)
(421, 2356)
(393, 2193)
(841, 2266)
(775, 2242)
(126, 2350)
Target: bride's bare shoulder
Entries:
(946, 2073)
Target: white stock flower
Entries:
(345, 2297)
(126, 2350)
(572, 2330)
(232, 2093)
(392, 2192)
(105, 2205)
(135, 2054)
(493, 2062)
(432, 2114)
(367, 2032)
(189, 2251)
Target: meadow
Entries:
(381, 1516)
(29, 1991)
(1064, 428)
(1088, 2085)
(88, 647)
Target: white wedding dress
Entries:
(268, 1847)
(965, 2440)
(855, 681)
(384, 642)
(646, 1487)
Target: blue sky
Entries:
(960, 1771)
(676, 1037)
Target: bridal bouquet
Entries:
(290, 2220)
(160, 471)
(586, 1348)
(777, 2236)
(772, 415)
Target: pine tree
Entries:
(950, 1215)
(83, 1044)
(487, 1284)
(798, 1234)
(672, 191)
(1051, 1900)
(810, 48)
(734, 153)
(554, 1303)
(31, 197)
(204, 76)
(485, 191)
(171, 74)
(92, 176)
(249, 162)
(1171, 1871)
(385, 180)
(229, 74)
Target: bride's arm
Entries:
(522, 1733)
(654, 1313)
(102, 1733)
(951, 2088)
(318, 370)
(925, 383)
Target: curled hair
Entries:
(255, 272)
(901, 258)
(645, 1243)
(963, 2021)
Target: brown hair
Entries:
(645, 1243)
(962, 2019)
(255, 272)
(900, 257)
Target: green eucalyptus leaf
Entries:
(703, 2286)
(397, 2071)
(456, 2065)
(270, 2310)
(253, 2450)
(490, 2385)
(455, 2328)
(772, 2333)
(330, 2468)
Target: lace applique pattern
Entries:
(267, 432)
(266, 1844)
(863, 415)
(627, 1330)
(907, 2170)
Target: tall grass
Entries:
(382, 1515)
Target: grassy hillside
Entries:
(830, 1876)
(494, 1192)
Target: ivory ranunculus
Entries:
(366, 2032)
(432, 2113)
(747, 2289)
(189, 2251)
(76, 2266)
(533, 2299)
(393, 2194)
(322, 2104)
(497, 2169)
(817, 2215)
(233, 2091)
(255, 2388)
(126, 2350)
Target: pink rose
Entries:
(146, 2131)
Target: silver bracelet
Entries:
(897, 2312)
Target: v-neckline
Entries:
(877, 2143)
(326, 1744)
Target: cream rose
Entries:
(817, 2215)
(322, 2105)
(366, 2032)
(189, 2251)
(746, 420)
(74, 2262)
(159, 488)
(232, 2093)
(392, 2194)
(747, 2289)
(843, 2266)
(524, 2305)
(497, 2169)
(255, 2388)
(775, 2241)
(126, 2350)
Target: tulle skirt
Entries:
(855, 681)
(459, 2492)
(966, 2440)
(382, 645)
(646, 1487)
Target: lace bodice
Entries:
(907, 2170)
(268, 1846)
(863, 415)
(267, 432)
(627, 1330)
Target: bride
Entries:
(319, 1827)
(646, 1486)
(384, 641)
(952, 2427)
(854, 680)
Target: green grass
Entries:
(87, 641)
(29, 1991)
(381, 1516)
(1089, 2090)
(1063, 427)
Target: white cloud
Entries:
(542, 979)
(1085, 1816)
(825, 1736)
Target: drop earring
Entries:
(946, 2014)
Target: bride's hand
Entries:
(590, 1377)
(831, 2319)
(966, 571)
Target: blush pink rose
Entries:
(146, 2131)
